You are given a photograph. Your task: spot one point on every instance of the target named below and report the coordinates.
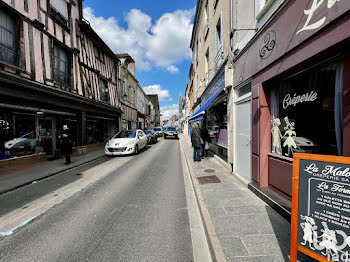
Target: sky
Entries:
(157, 34)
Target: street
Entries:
(137, 212)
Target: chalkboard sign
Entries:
(321, 207)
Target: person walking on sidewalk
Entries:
(197, 141)
(207, 140)
(66, 147)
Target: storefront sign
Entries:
(310, 13)
(294, 24)
(321, 219)
(288, 100)
(212, 90)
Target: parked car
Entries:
(126, 142)
(19, 147)
(151, 136)
(170, 132)
(158, 131)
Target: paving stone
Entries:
(233, 247)
(217, 212)
(235, 225)
(262, 245)
(243, 210)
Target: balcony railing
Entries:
(63, 77)
(9, 56)
(219, 58)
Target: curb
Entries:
(214, 244)
(49, 175)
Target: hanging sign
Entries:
(320, 226)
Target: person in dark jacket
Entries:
(206, 140)
(197, 140)
(66, 146)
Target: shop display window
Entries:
(17, 135)
(217, 127)
(306, 112)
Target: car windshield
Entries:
(126, 134)
(171, 129)
(157, 129)
(148, 132)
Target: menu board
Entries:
(321, 207)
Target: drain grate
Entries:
(208, 180)
(209, 170)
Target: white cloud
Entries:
(163, 94)
(172, 69)
(162, 44)
(169, 110)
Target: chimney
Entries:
(132, 68)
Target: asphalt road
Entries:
(137, 212)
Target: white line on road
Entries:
(2, 234)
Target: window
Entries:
(131, 95)
(99, 54)
(219, 58)
(306, 113)
(104, 92)
(59, 10)
(25, 5)
(62, 70)
(207, 67)
(8, 52)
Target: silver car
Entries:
(158, 131)
(170, 132)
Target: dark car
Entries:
(151, 136)
(170, 132)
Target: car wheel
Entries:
(176, 137)
(136, 150)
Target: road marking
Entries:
(3, 234)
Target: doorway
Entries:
(243, 137)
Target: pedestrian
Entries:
(207, 140)
(197, 141)
(66, 145)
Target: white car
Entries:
(126, 142)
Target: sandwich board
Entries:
(320, 223)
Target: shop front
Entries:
(213, 115)
(299, 89)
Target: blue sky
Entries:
(157, 34)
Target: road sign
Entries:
(320, 225)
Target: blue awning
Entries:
(202, 109)
(197, 119)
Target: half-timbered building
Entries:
(54, 70)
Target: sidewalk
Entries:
(246, 227)
(14, 179)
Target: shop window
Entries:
(306, 113)
(59, 10)
(8, 51)
(104, 91)
(62, 70)
(217, 127)
(99, 54)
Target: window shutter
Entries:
(61, 7)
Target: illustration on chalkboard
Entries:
(276, 136)
(309, 227)
(290, 143)
(329, 240)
